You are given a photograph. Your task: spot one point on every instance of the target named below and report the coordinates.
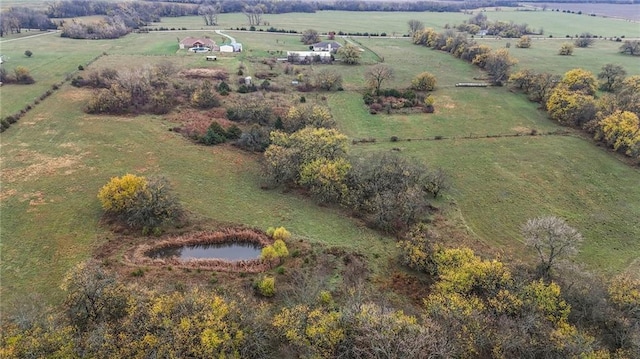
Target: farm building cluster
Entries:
(206, 44)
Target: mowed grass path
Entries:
(499, 183)
(55, 160)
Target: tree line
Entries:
(287, 6)
(571, 100)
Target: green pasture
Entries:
(52, 60)
(557, 24)
(56, 158)
(543, 55)
(560, 24)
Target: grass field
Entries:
(543, 56)
(557, 24)
(50, 211)
(56, 158)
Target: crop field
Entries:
(55, 159)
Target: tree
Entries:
(376, 75)
(210, 13)
(424, 82)
(254, 13)
(28, 53)
(542, 86)
(349, 54)
(328, 80)
(425, 37)
(524, 42)
(620, 131)
(628, 95)
(611, 77)
(415, 26)
(566, 49)
(632, 47)
(289, 153)
(552, 238)
(307, 115)
(584, 40)
(310, 36)
(140, 202)
(94, 297)
(580, 80)
(570, 107)
(326, 179)
(498, 64)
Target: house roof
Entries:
(190, 41)
(325, 44)
(308, 53)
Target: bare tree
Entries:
(415, 26)
(210, 14)
(254, 14)
(552, 238)
(584, 40)
(377, 74)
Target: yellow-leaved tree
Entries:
(140, 202)
(121, 192)
(580, 80)
(621, 131)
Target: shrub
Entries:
(233, 132)
(566, 49)
(281, 233)
(524, 42)
(223, 88)
(203, 97)
(140, 202)
(281, 248)
(256, 139)
(424, 82)
(266, 286)
(22, 75)
(215, 135)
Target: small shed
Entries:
(232, 47)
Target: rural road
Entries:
(233, 41)
(31, 36)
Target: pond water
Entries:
(227, 251)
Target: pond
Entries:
(226, 251)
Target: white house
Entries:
(331, 46)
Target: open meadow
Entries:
(56, 158)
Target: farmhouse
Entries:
(330, 46)
(232, 47)
(189, 42)
(307, 57)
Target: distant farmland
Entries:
(622, 11)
